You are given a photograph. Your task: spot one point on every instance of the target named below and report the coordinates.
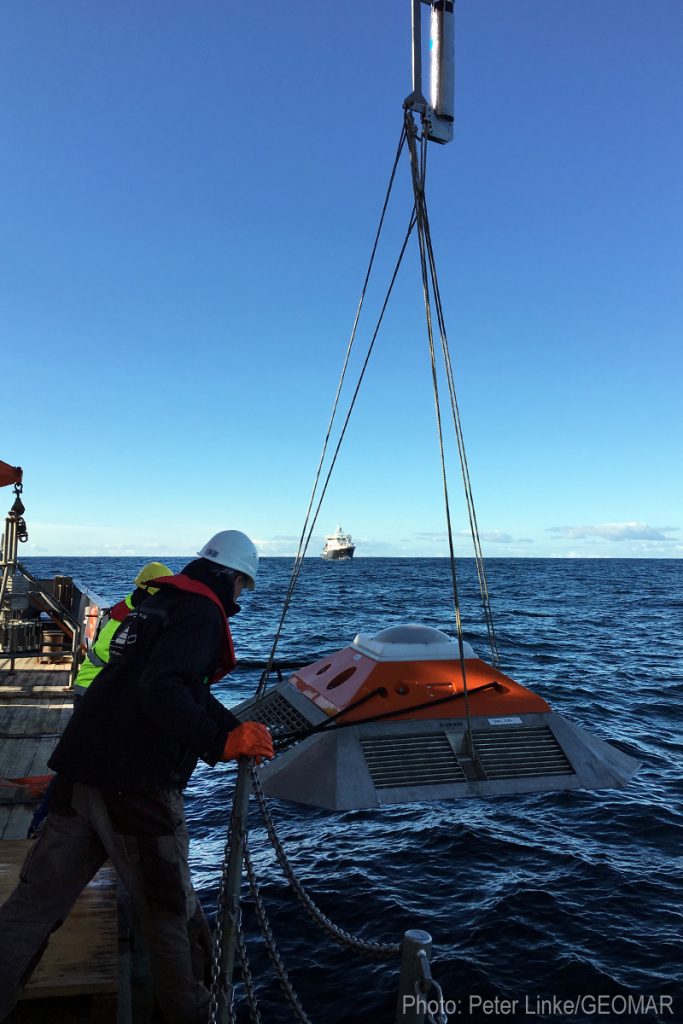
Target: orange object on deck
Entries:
(37, 785)
(10, 474)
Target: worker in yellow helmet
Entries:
(97, 655)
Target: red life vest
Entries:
(121, 610)
(190, 586)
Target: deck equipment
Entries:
(50, 619)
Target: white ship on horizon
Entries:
(338, 545)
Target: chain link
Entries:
(373, 950)
(269, 939)
(254, 1011)
(219, 986)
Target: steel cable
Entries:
(418, 169)
(469, 497)
(304, 540)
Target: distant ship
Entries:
(338, 545)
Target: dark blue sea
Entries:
(569, 896)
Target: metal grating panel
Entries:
(277, 713)
(421, 760)
(506, 753)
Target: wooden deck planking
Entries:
(23, 755)
(16, 822)
(82, 956)
(81, 961)
(32, 677)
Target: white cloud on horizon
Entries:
(489, 536)
(603, 540)
(631, 531)
(282, 545)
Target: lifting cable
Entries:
(307, 530)
(418, 167)
(474, 528)
(419, 217)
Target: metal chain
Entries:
(269, 939)
(424, 984)
(219, 987)
(254, 1011)
(372, 950)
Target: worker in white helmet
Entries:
(124, 758)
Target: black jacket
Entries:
(148, 717)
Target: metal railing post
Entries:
(9, 554)
(411, 1006)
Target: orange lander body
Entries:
(411, 672)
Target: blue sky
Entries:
(188, 194)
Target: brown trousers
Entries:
(145, 837)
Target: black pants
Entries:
(145, 837)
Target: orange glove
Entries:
(250, 739)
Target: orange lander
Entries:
(384, 721)
(411, 671)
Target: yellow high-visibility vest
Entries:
(98, 654)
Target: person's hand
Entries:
(250, 739)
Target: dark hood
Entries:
(218, 579)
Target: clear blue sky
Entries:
(188, 196)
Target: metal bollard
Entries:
(410, 1009)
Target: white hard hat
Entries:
(234, 550)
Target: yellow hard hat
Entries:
(151, 571)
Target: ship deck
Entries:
(78, 977)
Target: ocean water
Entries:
(531, 901)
